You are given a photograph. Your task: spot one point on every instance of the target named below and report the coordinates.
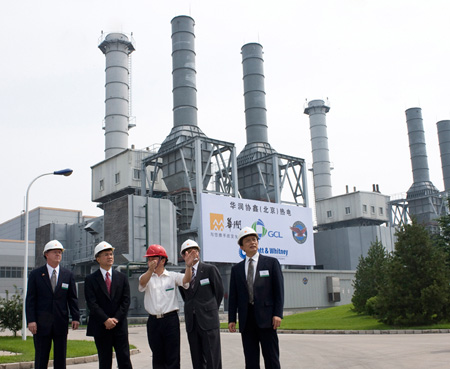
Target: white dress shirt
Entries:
(50, 272)
(161, 292)
(104, 273)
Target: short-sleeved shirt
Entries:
(161, 292)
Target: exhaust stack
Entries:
(423, 198)
(319, 144)
(117, 48)
(443, 128)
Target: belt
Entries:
(159, 316)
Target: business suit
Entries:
(102, 306)
(256, 320)
(50, 310)
(201, 312)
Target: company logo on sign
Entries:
(299, 232)
(216, 222)
(259, 228)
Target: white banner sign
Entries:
(285, 231)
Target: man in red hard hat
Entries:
(161, 302)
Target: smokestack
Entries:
(183, 72)
(417, 146)
(423, 202)
(319, 143)
(254, 93)
(251, 186)
(443, 128)
(117, 48)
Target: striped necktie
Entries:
(191, 283)
(250, 273)
(53, 280)
(108, 283)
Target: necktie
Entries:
(191, 283)
(108, 282)
(250, 280)
(53, 280)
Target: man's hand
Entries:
(232, 327)
(32, 327)
(75, 324)
(276, 322)
(110, 323)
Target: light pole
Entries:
(63, 172)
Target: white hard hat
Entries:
(187, 245)
(101, 247)
(246, 231)
(52, 245)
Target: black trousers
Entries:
(164, 340)
(252, 337)
(42, 346)
(105, 344)
(205, 347)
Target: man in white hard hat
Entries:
(201, 310)
(257, 295)
(107, 295)
(51, 294)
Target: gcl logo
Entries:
(274, 234)
(260, 228)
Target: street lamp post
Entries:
(63, 172)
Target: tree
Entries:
(369, 276)
(11, 312)
(442, 240)
(416, 288)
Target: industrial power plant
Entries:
(192, 186)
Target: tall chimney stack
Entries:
(423, 200)
(117, 48)
(183, 72)
(443, 128)
(319, 144)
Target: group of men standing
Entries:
(256, 295)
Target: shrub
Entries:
(11, 312)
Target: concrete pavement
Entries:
(322, 351)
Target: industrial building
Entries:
(194, 186)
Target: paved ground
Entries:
(321, 351)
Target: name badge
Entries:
(65, 286)
(263, 273)
(204, 282)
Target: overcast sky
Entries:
(371, 59)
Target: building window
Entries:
(372, 209)
(381, 211)
(329, 214)
(117, 178)
(102, 185)
(12, 272)
(364, 208)
(136, 174)
(347, 210)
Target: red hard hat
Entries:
(156, 250)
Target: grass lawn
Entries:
(75, 348)
(339, 318)
(26, 349)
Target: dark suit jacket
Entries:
(51, 309)
(204, 298)
(268, 290)
(103, 306)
